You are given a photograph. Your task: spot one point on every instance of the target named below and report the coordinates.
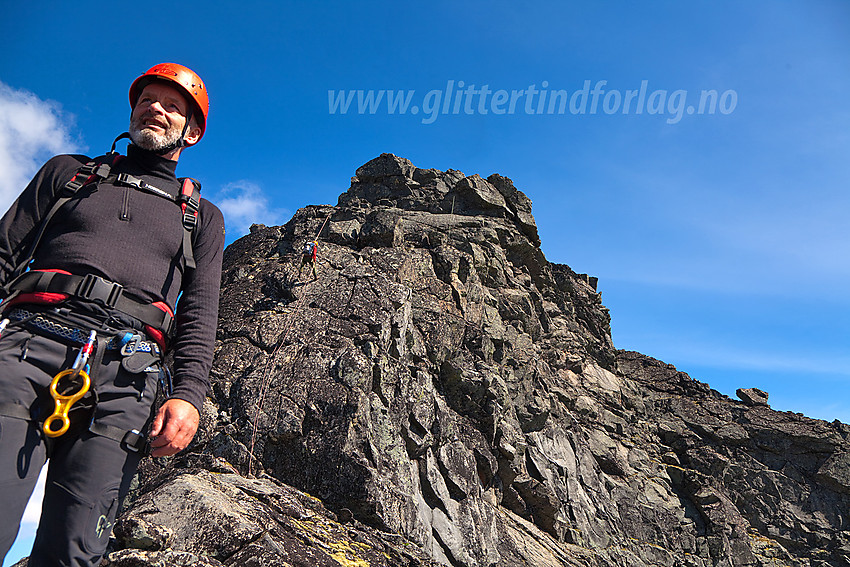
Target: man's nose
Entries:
(156, 106)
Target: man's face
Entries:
(158, 118)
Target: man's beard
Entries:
(156, 142)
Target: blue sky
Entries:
(720, 239)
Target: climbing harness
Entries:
(64, 400)
(189, 204)
(94, 171)
(53, 286)
(127, 343)
(99, 170)
(70, 386)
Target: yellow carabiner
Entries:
(64, 403)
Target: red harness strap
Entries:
(40, 297)
(154, 333)
(189, 205)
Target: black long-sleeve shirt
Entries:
(131, 237)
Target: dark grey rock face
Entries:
(443, 394)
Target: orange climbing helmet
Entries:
(186, 80)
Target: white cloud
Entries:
(243, 203)
(31, 131)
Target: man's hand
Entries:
(173, 427)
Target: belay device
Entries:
(64, 400)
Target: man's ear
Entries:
(193, 135)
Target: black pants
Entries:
(88, 474)
(307, 260)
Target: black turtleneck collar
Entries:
(152, 163)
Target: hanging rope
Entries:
(266, 378)
(266, 381)
(324, 223)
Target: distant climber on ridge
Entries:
(308, 257)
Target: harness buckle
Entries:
(190, 219)
(125, 179)
(133, 441)
(102, 170)
(167, 327)
(98, 290)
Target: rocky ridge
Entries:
(443, 395)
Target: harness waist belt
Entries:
(97, 290)
(129, 345)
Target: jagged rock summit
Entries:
(441, 394)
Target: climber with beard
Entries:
(94, 255)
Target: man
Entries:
(308, 257)
(109, 260)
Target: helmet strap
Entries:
(121, 137)
(181, 143)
